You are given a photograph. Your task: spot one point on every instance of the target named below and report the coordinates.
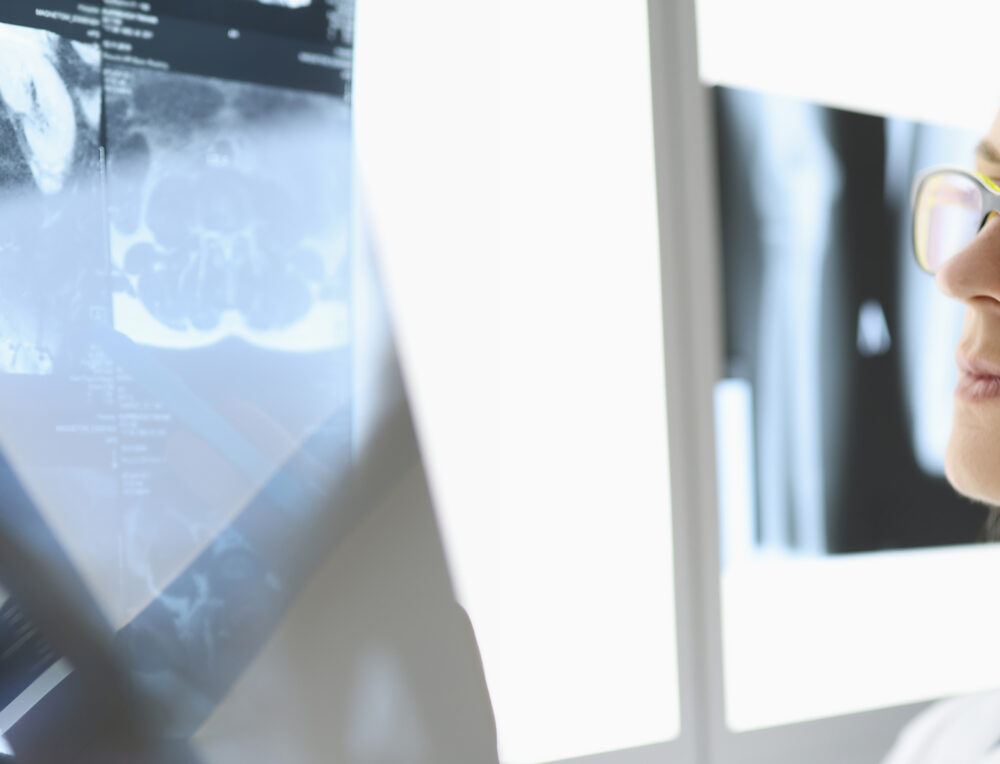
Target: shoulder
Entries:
(959, 730)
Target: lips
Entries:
(978, 379)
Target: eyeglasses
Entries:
(950, 206)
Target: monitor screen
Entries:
(175, 321)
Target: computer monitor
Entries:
(176, 351)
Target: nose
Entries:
(974, 272)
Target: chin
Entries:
(972, 464)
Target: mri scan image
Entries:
(228, 206)
(176, 352)
(51, 239)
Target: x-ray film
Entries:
(52, 275)
(53, 283)
(138, 24)
(175, 335)
(830, 319)
(228, 204)
(51, 237)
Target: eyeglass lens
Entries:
(947, 215)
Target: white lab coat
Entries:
(961, 730)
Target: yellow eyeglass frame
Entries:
(988, 205)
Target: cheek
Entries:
(972, 462)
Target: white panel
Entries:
(916, 59)
(818, 637)
(508, 161)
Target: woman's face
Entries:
(972, 461)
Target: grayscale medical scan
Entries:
(175, 355)
(845, 353)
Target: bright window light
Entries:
(507, 157)
(939, 71)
